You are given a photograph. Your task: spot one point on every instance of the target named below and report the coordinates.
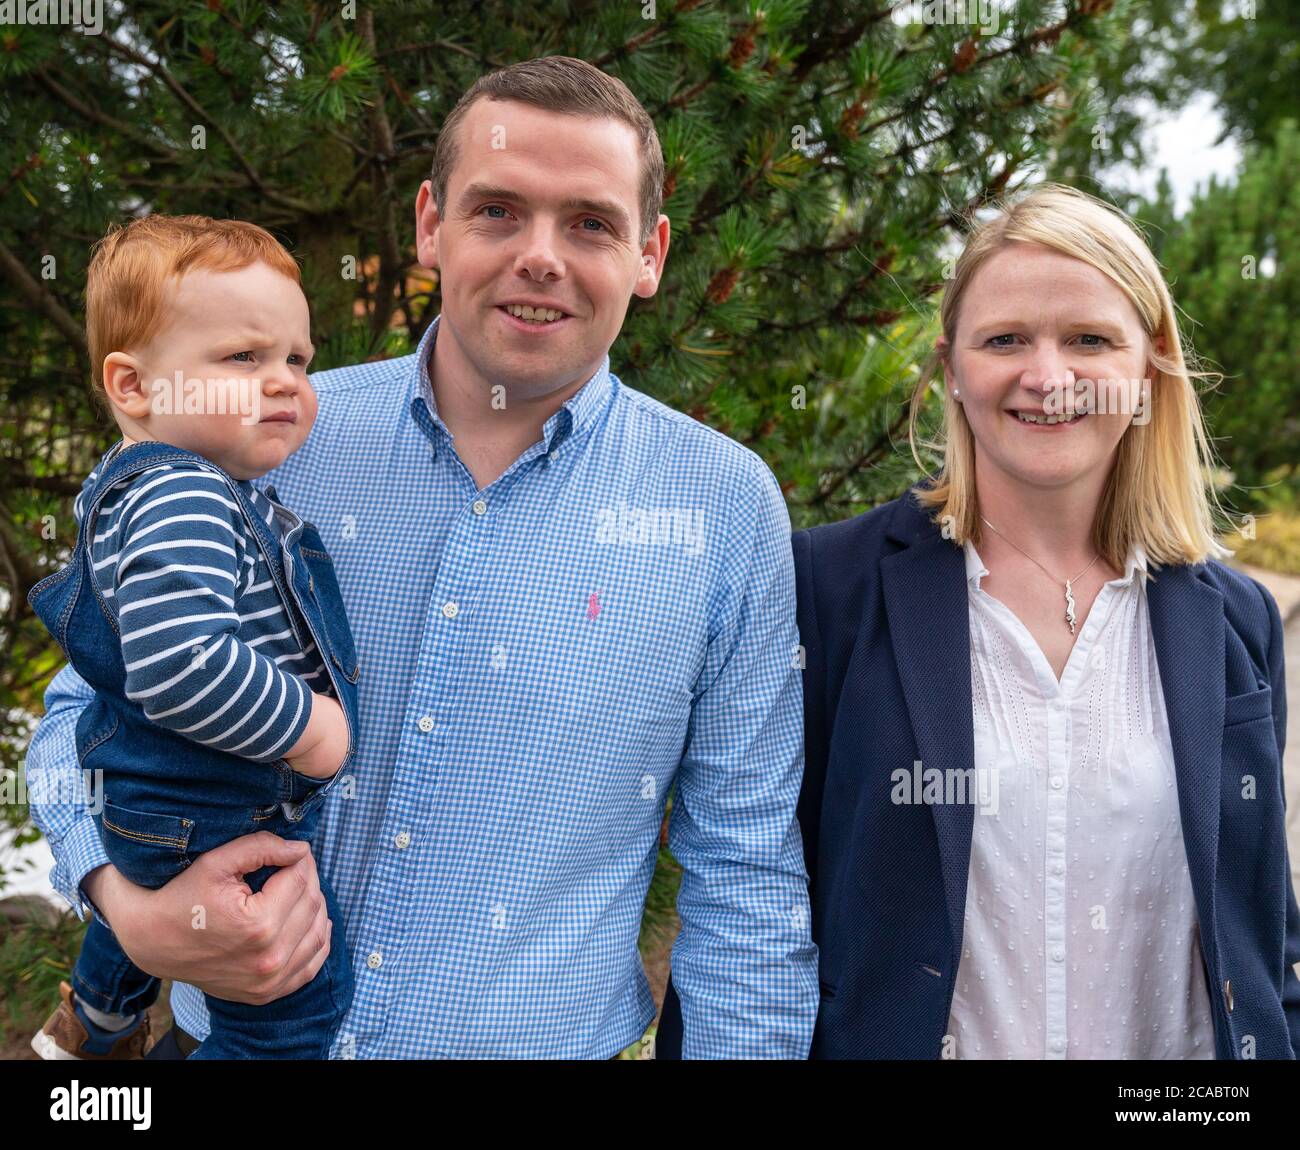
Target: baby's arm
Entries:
(178, 551)
(324, 742)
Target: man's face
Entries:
(541, 212)
(239, 344)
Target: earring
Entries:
(956, 394)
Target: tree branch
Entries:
(178, 90)
(390, 248)
(86, 112)
(38, 295)
(23, 573)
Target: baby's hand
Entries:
(324, 743)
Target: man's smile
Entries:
(533, 319)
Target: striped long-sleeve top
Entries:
(206, 640)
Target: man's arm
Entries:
(744, 964)
(56, 791)
(256, 948)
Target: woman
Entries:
(1043, 802)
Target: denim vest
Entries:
(160, 788)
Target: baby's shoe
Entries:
(70, 1034)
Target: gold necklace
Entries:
(1070, 616)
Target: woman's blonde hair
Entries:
(1159, 493)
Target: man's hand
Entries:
(251, 948)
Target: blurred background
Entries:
(821, 157)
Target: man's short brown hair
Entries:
(571, 87)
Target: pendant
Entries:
(1070, 616)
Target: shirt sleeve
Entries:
(56, 791)
(180, 558)
(744, 963)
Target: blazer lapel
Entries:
(929, 628)
(1188, 629)
(925, 597)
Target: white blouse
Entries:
(1081, 936)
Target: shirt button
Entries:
(1058, 868)
(374, 960)
(554, 455)
(402, 840)
(451, 609)
(1056, 783)
(478, 507)
(1058, 1044)
(1058, 956)
(425, 724)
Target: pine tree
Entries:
(820, 158)
(1236, 281)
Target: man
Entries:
(566, 598)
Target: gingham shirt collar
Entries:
(575, 417)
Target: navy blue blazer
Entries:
(884, 620)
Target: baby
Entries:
(205, 614)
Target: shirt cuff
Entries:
(80, 852)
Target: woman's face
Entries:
(1040, 333)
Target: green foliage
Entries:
(1249, 55)
(1147, 59)
(659, 923)
(1275, 545)
(1232, 265)
(1157, 55)
(35, 956)
(819, 155)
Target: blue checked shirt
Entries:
(541, 661)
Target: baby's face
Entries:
(227, 376)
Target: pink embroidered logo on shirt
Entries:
(593, 605)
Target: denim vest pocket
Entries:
(149, 849)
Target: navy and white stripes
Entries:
(209, 650)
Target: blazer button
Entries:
(1227, 994)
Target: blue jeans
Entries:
(300, 1025)
(166, 799)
